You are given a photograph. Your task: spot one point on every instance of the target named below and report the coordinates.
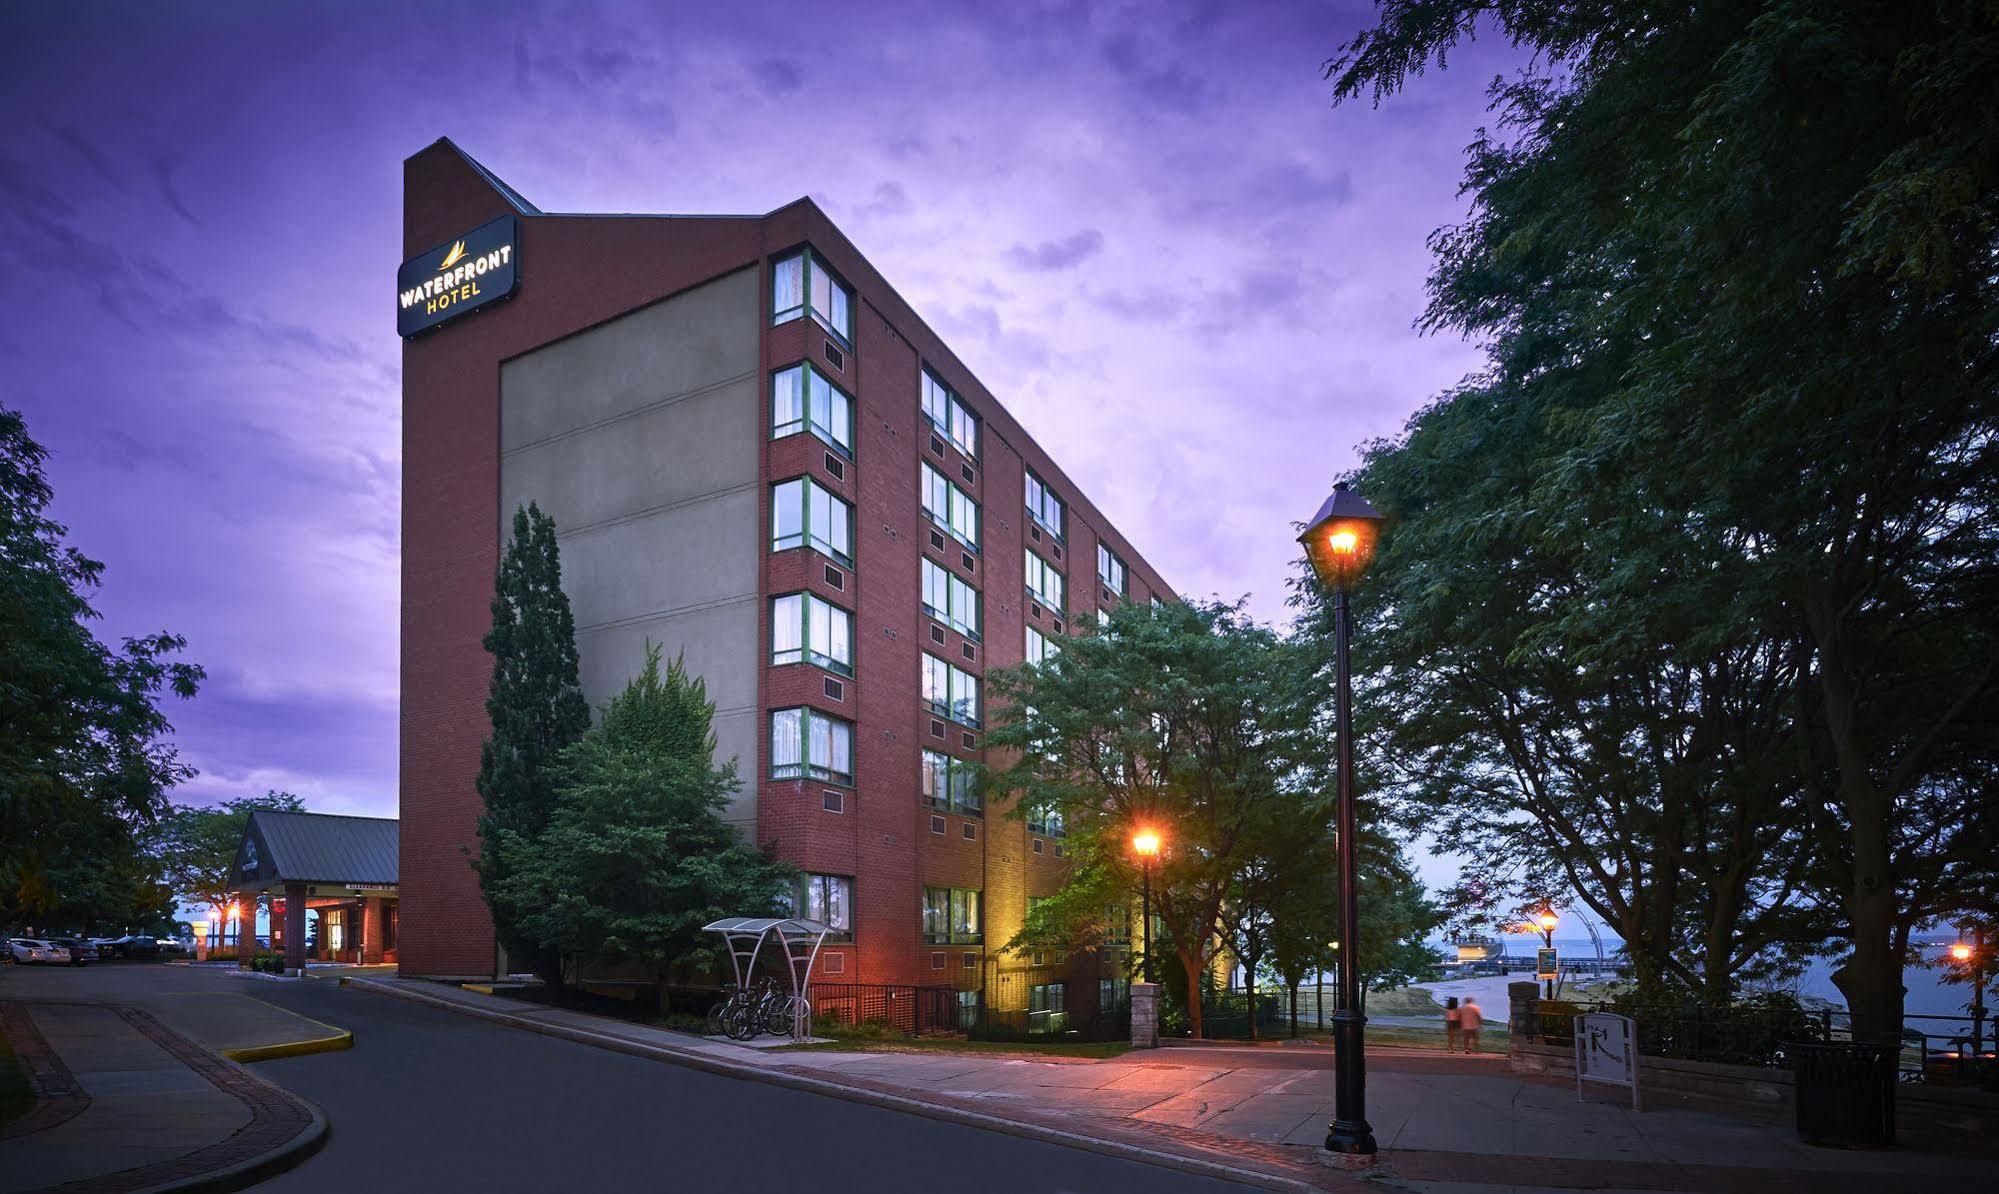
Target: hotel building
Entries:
(756, 453)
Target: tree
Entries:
(636, 857)
(1736, 259)
(1160, 716)
(196, 846)
(536, 707)
(85, 761)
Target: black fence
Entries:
(1225, 1015)
(885, 1008)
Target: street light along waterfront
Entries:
(1145, 843)
(1339, 544)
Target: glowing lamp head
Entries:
(1960, 952)
(1547, 921)
(1339, 541)
(235, 910)
(1145, 843)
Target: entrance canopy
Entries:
(336, 858)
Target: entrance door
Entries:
(336, 931)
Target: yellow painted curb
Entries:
(337, 1038)
(481, 988)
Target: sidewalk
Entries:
(1445, 1123)
(131, 1104)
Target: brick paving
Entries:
(275, 1118)
(59, 1096)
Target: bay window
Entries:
(801, 399)
(801, 282)
(806, 742)
(802, 514)
(805, 628)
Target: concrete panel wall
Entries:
(641, 438)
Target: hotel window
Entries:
(1046, 822)
(950, 507)
(950, 600)
(1044, 583)
(1117, 925)
(802, 514)
(1044, 1008)
(801, 399)
(949, 692)
(949, 415)
(807, 742)
(951, 785)
(807, 629)
(951, 917)
(1111, 571)
(1040, 648)
(1043, 506)
(1113, 994)
(828, 899)
(803, 281)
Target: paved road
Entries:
(428, 1099)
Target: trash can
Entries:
(1845, 1093)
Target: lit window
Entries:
(828, 899)
(949, 415)
(951, 917)
(805, 628)
(807, 742)
(802, 514)
(950, 692)
(1043, 506)
(950, 507)
(1044, 583)
(1044, 1008)
(1040, 648)
(950, 600)
(1046, 822)
(1111, 571)
(802, 282)
(801, 399)
(951, 785)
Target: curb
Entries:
(341, 1039)
(244, 1174)
(856, 1094)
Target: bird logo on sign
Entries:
(456, 255)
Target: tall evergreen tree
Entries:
(536, 707)
(636, 857)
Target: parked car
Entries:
(81, 951)
(33, 952)
(131, 945)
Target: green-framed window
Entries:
(1111, 570)
(949, 414)
(828, 899)
(1044, 582)
(950, 507)
(950, 600)
(807, 743)
(804, 515)
(950, 692)
(806, 628)
(951, 785)
(803, 399)
(1044, 507)
(801, 282)
(1041, 648)
(1046, 822)
(952, 916)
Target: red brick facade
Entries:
(578, 271)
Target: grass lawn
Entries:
(17, 1098)
(1093, 1049)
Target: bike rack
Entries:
(800, 940)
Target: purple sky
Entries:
(1143, 226)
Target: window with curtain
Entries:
(806, 742)
(951, 916)
(802, 514)
(950, 600)
(1044, 507)
(950, 507)
(1111, 570)
(805, 628)
(828, 899)
(1040, 648)
(802, 281)
(949, 414)
(1044, 583)
(802, 399)
(949, 785)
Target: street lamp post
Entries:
(1145, 843)
(1971, 957)
(1545, 925)
(1339, 543)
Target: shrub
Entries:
(268, 963)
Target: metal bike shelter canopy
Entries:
(799, 939)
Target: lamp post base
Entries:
(1350, 1162)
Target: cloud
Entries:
(1067, 253)
(777, 76)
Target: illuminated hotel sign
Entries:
(478, 268)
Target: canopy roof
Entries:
(282, 847)
(786, 926)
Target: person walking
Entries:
(1469, 1019)
(1451, 1020)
